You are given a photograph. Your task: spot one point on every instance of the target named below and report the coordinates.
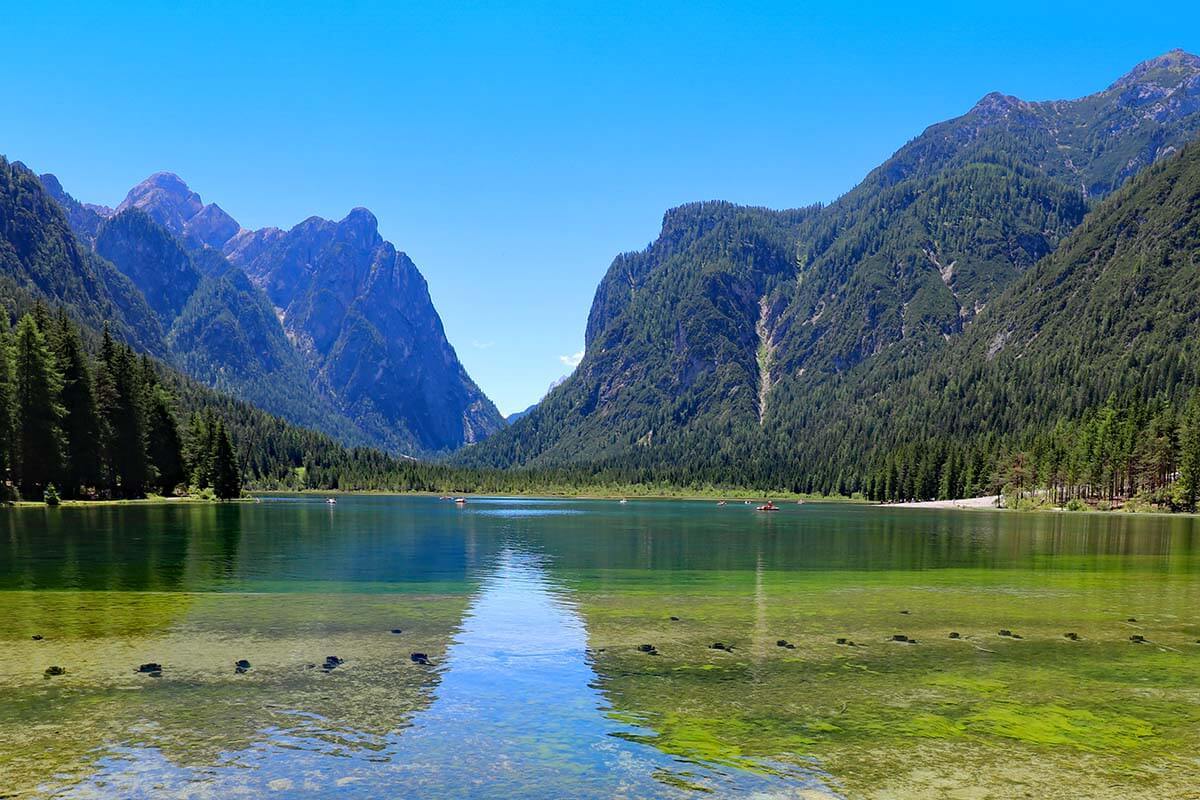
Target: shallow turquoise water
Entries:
(532, 611)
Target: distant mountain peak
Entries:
(171, 203)
(997, 104)
(1175, 63)
(360, 226)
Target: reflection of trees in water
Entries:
(701, 536)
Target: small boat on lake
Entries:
(330, 501)
(623, 501)
(721, 503)
(767, 506)
(460, 501)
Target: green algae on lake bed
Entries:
(202, 706)
(1036, 707)
(531, 612)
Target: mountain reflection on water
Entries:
(515, 712)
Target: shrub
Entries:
(51, 495)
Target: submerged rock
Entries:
(954, 635)
(332, 663)
(420, 658)
(1074, 637)
(1137, 638)
(397, 630)
(721, 646)
(241, 666)
(841, 640)
(674, 619)
(151, 668)
(1005, 632)
(54, 670)
(781, 643)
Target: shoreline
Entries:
(253, 495)
(987, 502)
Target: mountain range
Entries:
(326, 324)
(1006, 271)
(743, 344)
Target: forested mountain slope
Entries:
(1087, 368)
(711, 354)
(38, 253)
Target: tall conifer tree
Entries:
(39, 415)
(81, 423)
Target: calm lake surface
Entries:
(531, 613)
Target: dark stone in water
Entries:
(674, 619)
(1131, 619)
(841, 640)
(781, 643)
(397, 630)
(1005, 632)
(241, 666)
(645, 648)
(720, 646)
(906, 612)
(1137, 638)
(1017, 636)
(37, 637)
(954, 635)
(55, 670)
(420, 658)
(332, 662)
(790, 646)
(899, 637)
(150, 668)
(1074, 637)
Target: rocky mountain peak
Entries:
(170, 202)
(166, 198)
(359, 228)
(997, 105)
(1166, 71)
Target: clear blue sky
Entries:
(513, 149)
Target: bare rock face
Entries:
(360, 311)
(329, 299)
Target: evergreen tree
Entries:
(39, 437)
(7, 392)
(227, 481)
(1188, 487)
(165, 448)
(120, 397)
(80, 423)
(198, 450)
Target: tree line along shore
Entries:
(78, 427)
(85, 418)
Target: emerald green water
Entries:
(531, 613)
